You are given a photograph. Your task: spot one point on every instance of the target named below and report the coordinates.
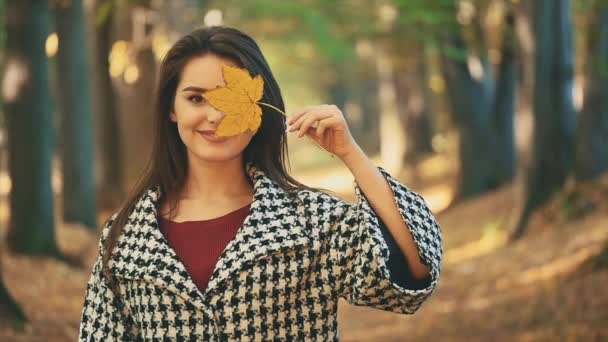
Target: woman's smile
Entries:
(211, 137)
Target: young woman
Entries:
(218, 242)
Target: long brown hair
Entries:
(167, 165)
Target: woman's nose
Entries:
(214, 116)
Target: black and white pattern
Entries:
(279, 278)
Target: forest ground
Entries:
(540, 288)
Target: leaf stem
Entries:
(273, 107)
(280, 111)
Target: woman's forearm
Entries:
(381, 198)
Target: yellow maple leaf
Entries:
(238, 100)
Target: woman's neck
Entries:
(209, 180)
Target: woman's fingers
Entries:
(293, 117)
(323, 125)
(310, 119)
(297, 121)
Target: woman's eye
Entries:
(196, 98)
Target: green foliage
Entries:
(336, 49)
(589, 5)
(457, 54)
(309, 21)
(2, 29)
(430, 15)
(336, 26)
(601, 66)
(103, 12)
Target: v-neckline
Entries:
(206, 221)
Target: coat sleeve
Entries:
(368, 266)
(104, 317)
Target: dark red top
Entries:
(199, 244)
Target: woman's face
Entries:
(193, 114)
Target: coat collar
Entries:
(275, 222)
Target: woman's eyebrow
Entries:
(197, 89)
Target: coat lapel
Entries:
(275, 222)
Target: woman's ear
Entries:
(173, 117)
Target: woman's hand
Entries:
(326, 125)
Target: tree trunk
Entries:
(367, 129)
(338, 92)
(351, 89)
(554, 117)
(110, 188)
(471, 100)
(79, 196)
(30, 129)
(412, 98)
(524, 31)
(483, 108)
(134, 98)
(504, 110)
(392, 136)
(592, 134)
(9, 309)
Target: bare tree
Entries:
(79, 202)
(30, 129)
(592, 134)
(554, 115)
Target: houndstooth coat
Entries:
(278, 279)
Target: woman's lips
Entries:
(212, 137)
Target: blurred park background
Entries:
(496, 111)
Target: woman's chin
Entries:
(212, 154)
